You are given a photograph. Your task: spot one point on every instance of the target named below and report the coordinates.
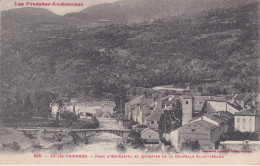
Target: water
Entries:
(103, 143)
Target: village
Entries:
(179, 119)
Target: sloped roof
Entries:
(229, 97)
(199, 102)
(147, 129)
(134, 100)
(235, 105)
(54, 104)
(205, 124)
(155, 116)
(241, 96)
(218, 98)
(215, 118)
(166, 97)
(251, 112)
(148, 101)
(186, 96)
(226, 114)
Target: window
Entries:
(238, 119)
(187, 102)
(152, 122)
(193, 130)
(244, 120)
(150, 136)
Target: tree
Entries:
(224, 92)
(200, 89)
(69, 117)
(192, 145)
(137, 138)
(177, 109)
(171, 119)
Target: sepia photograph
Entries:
(150, 82)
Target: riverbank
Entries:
(51, 122)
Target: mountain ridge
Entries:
(145, 10)
(31, 15)
(218, 46)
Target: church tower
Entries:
(187, 102)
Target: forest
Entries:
(106, 62)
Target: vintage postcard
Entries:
(150, 82)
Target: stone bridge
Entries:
(83, 133)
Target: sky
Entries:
(9, 4)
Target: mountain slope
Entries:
(145, 10)
(33, 16)
(220, 45)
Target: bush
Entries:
(14, 146)
(128, 123)
(121, 148)
(192, 145)
(36, 146)
(138, 141)
(69, 116)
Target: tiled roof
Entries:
(229, 97)
(155, 116)
(205, 124)
(194, 118)
(166, 97)
(226, 114)
(134, 100)
(199, 102)
(218, 98)
(235, 105)
(251, 112)
(54, 104)
(147, 129)
(186, 96)
(240, 96)
(215, 118)
(148, 101)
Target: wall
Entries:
(54, 110)
(130, 103)
(174, 139)
(187, 109)
(257, 124)
(245, 123)
(223, 126)
(218, 106)
(206, 119)
(214, 135)
(109, 109)
(231, 109)
(151, 133)
(197, 133)
(155, 124)
(85, 108)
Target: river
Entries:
(104, 143)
